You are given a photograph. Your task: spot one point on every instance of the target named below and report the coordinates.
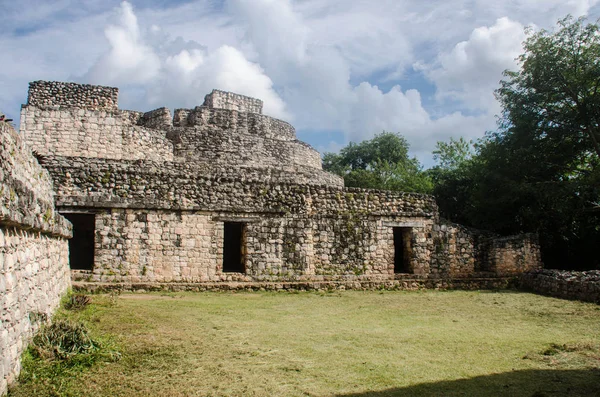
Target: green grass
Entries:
(337, 344)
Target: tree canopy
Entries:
(380, 163)
(539, 171)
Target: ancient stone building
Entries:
(223, 193)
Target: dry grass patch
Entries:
(349, 343)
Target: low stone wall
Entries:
(584, 286)
(34, 253)
(410, 284)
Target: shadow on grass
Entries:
(528, 383)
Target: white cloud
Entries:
(471, 71)
(175, 72)
(316, 81)
(129, 60)
(339, 66)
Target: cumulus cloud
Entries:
(336, 68)
(471, 71)
(129, 59)
(317, 81)
(174, 71)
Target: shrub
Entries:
(77, 302)
(62, 340)
(69, 342)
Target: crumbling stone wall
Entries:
(228, 130)
(461, 252)
(228, 100)
(583, 286)
(58, 94)
(81, 132)
(34, 269)
(456, 251)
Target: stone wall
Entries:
(583, 286)
(34, 268)
(59, 94)
(235, 122)
(457, 251)
(229, 100)
(136, 246)
(462, 252)
(81, 132)
(514, 255)
(406, 284)
(223, 131)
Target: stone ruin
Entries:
(224, 194)
(219, 196)
(34, 251)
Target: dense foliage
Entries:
(379, 163)
(540, 171)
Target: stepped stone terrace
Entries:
(222, 193)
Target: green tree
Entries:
(453, 154)
(453, 177)
(539, 171)
(380, 163)
(557, 89)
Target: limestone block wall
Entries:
(293, 231)
(235, 122)
(583, 286)
(514, 255)
(145, 246)
(61, 94)
(98, 183)
(217, 135)
(229, 100)
(34, 268)
(81, 132)
(460, 252)
(158, 119)
(457, 251)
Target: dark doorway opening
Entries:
(234, 248)
(402, 250)
(81, 246)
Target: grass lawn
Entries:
(337, 344)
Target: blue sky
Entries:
(338, 70)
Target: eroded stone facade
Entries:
(34, 255)
(164, 193)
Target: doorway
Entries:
(402, 250)
(81, 246)
(234, 247)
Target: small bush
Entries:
(69, 342)
(62, 340)
(77, 302)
